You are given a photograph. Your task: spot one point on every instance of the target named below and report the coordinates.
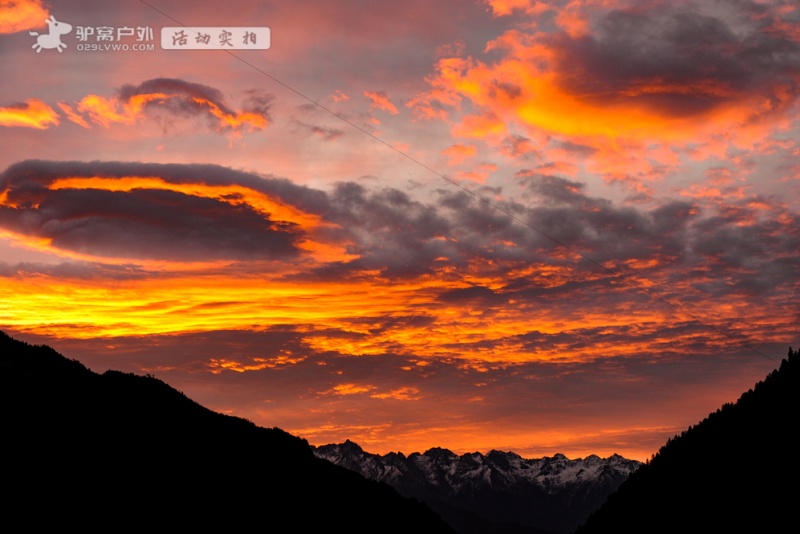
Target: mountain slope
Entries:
(112, 450)
(736, 471)
(477, 493)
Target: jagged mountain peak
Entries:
(439, 452)
(351, 446)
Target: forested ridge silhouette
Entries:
(113, 450)
(735, 471)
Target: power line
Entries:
(675, 306)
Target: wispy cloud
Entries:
(32, 113)
(380, 100)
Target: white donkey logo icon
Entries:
(52, 39)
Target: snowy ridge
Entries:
(550, 493)
(443, 468)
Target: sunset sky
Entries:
(568, 226)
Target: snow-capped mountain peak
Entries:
(553, 493)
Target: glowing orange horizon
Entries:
(482, 438)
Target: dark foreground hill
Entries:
(736, 471)
(119, 451)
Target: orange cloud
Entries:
(20, 15)
(217, 366)
(176, 98)
(459, 153)
(479, 173)
(502, 8)
(340, 96)
(572, 19)
(403, 394)
(30, 114)
(350, 389)
(380, 100)
(105, 111)
(73, 116)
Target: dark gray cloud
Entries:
(747, 246)
(576, 148)
(143, 223)
(683, 59)
(258, 101)
(152, 224)
(519, 146)
(328, 134)
(732, 248)
(325, 132)
(759, 254)
(391, 231)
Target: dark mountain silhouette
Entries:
(736, 471)
(118, 450)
